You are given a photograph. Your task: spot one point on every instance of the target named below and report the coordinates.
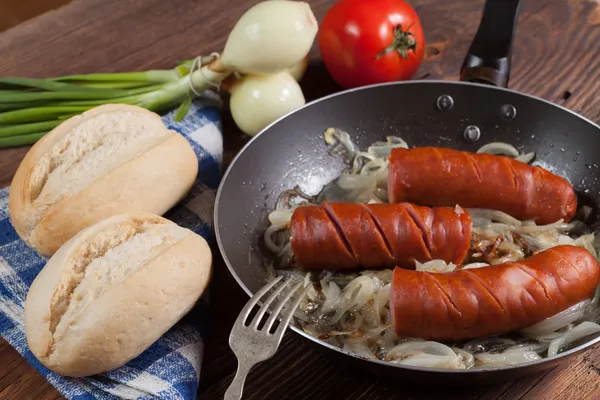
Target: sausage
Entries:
(444, 177)
(340, 236)
(471, 303)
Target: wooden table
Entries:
(556, 56)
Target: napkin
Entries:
(170, 368)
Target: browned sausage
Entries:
(472, 303)
(347, 235)
(443, 177)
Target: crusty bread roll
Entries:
(110, 160)
(112, 290)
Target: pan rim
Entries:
(317, 341)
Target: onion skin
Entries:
(270, 37)
(258, 100)
(297, 70)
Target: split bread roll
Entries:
(110, 160)
(113, 290)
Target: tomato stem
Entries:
(402, 43)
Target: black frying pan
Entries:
(460, 115)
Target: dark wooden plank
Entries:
(553, 54)
(15, 12)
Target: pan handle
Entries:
(488, 59)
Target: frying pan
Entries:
(461, 115)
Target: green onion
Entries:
(22, 140)
(16, 130)
(30, 106)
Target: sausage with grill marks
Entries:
(341, 236)
(435, 176)
(472, 303)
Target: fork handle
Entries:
(235, 389)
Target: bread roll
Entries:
(113, 290)
(110, 160)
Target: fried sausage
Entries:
(444, 177)
(340, 236)
(471, 303)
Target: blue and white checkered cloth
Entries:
(170, 368)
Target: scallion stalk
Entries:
(21, 140)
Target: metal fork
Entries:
(252, 345)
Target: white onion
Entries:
(493, 215)
(297, 70)
(531, 228)
(506, 358)
(557, 321)
(258, 100)
(537, 347)
(436, 266)
(332, 294)
(584, 329)
(359, 348)
(419, 346)
(499, 148)
(382, 298)
(384, 149)
(484, 344)
(280, 218)
(526, 158)
(272, 246)
(270, 37)
(354, 296)
(476, 265)
(432, 361)
(357, 182)
(467, 359)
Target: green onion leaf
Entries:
(21, 140)
(183, 109)
(15, 130)
(36, 114)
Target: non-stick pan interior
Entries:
(292, 151)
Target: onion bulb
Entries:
(258, 100)
(270, 37)
(297, 70)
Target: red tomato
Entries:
(371, 41)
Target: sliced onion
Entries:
(334, 137)
(354, 296)
(476, 265)
(382, 298)
(432, 361)
(494, 215)
(526, 158)
(332, 294)
(557, 321)
(486, 344)
(506, 358)
(359, 348)
(499, 148)
(384, 149)
(467, 359)
(356, 182)
(582, 330)
(420, 346)
(436, 266)
(280, 218)
(384, 275)
(531, 228)
(268, 238)
(537, 347)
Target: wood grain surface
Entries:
(556, 56)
